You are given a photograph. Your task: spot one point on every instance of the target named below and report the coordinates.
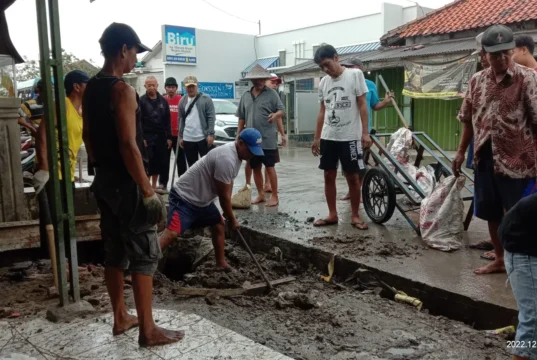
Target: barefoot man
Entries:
(500, 112)
(191, 203)
(341, 131)
(130, 209)
(261, 108)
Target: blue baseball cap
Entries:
(253, 139)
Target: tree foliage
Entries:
(31, 70)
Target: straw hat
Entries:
(257, 72)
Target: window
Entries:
(304, 84)
(282, 58)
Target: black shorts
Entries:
(349, 153)
(494, 193)
(130, 242)
(270, 159)
(157, 154)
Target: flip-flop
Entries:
(360, 225)
(482, 245)
(325, 222)
(489, 255)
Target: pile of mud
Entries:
(28, 288)
(368, 245)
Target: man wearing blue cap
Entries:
(191, 201)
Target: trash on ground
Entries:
(243, 198)
(330, 269)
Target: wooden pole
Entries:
(394, 103)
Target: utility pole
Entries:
(259, 23)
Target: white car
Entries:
(225, 127)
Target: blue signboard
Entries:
(179, 44)
(215, 90)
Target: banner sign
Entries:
(241, 87)
(215, 90)
(179, 45)
(442, 81)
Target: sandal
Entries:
(360, 225)
(489, 255)
(482, 245)
(325, 222)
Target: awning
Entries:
(353, 49)
(265, 63)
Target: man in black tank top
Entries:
(129, 207)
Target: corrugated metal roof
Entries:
(446, 47)
(353, 49)
(265, 63)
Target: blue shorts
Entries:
(182, 215)
(522, 275)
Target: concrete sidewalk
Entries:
(92, 339)
(302, 196)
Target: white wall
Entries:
(344, 32)
(155, 63)
(353, 31)
(221, 57)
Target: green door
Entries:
(438, 119)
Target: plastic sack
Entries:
(400, 143)
(242, 199)
(426, 181)
(441, 215)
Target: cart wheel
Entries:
(379, 195)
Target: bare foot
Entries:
(346, 197)
(259, 199)
(160, 336)
(497, 266)
(267, 189)
(223, 265)
(121, 326)
(274, 201)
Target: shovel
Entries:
(269, 285)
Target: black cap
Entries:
(117, 34)
(74, 77)
(171, 82)
(498, 38)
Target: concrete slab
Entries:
(92, 339)
(302, 196)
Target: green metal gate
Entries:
(438, 119)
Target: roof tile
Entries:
(462, 15)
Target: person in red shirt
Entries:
(173, 100)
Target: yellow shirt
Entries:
(74, 136)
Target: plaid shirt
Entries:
(505, 113)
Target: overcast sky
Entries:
(82, 23)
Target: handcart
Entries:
(387, 185)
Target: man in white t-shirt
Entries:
(196, 132)
(342, 130)
(191, 201)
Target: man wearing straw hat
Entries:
(261, 108)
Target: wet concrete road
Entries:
(302, 196)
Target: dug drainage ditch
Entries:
(304, 317)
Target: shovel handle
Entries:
(269, 285)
